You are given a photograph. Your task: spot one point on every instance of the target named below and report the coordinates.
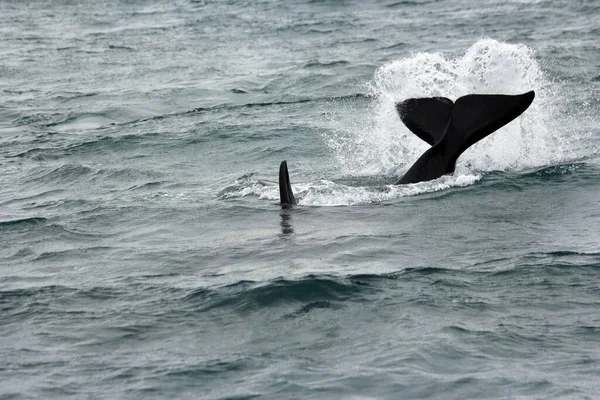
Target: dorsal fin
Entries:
(477, 115)
(286, 196)
(426, 117)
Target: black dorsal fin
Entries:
(477, 115)
(426, 117)
(286, 196)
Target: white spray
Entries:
(382, 145)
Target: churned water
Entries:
(143, 251)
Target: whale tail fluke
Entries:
(465, 122)
(286, 196)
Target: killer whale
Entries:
(448, 127)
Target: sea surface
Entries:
(143, 252)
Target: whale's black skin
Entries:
(286, 195)
(450, 128)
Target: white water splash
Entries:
(381, 144)
(327, 193)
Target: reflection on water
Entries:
(286, 221)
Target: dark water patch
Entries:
(246, 296)
(323, 64)
(274, 103)
(372, 279)
(409, 3)
(458, 283)
(593, 331)
(395, 46)
(279, 103)
(462, 331)
(19, 92)
(23, 223)
(66, 97)
(121, 47)
(147, 186)
(426, 271)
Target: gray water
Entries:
(144, 253)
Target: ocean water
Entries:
(143, 251)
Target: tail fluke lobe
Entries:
(426, 117)
(475, 116)
(286, 196)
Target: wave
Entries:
(249, 295)
(23, 222)
(66, 173)
(316, 292)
